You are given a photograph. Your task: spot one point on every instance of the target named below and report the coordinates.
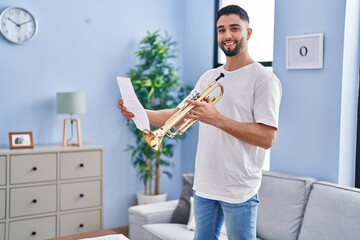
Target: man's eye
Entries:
(221, 30)
(235, 29)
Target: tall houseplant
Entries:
(156, 82)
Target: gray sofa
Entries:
(290, 208)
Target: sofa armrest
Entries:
(149, 214)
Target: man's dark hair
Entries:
(233, 9)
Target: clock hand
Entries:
(24, 23)
(18, 25)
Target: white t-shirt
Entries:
(226, 168)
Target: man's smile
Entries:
(228, 43)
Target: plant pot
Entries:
(145, 199)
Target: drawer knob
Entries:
(81, 195)
(34, 201)
(34, 168)
(81, 225)
(33, 233)
(81, 165)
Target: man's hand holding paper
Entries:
(132, 103)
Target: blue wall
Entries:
(83, 45)
(318, 112)
(198, 57)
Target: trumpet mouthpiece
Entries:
(153, 139)
(220, 76)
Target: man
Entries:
(233, 134)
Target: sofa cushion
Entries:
(171, 231)
(148, 213)
(182, 211)
(281, 208)
(332, 213)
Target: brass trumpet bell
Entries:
(155, 138)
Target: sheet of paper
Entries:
(108, 237)
(132, 103)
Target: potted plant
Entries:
(156, 82)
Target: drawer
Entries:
(32, 168)
(2, 170)
(2, 231)
(32, 200)
(32, 229)
(2, 203)
(80, 164)
(80, 222)
(80, 195)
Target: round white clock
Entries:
(17, 25)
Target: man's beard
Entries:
(233, 52)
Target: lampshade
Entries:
(71, 102)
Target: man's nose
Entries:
(227, 34)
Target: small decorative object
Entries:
(71, 103)
(17, 25)
(21, 140)
(304, 51)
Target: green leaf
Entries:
(155, 79)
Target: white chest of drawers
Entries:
(50, 191)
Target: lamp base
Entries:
(78, 132)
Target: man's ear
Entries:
(248, 32)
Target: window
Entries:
(357, 165)
(262, 23)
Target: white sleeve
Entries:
(267, 102)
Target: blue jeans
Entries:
(240, 219)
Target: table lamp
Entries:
(71, 103)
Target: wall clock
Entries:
(18, 25)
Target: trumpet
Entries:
(154, 138)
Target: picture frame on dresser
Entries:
(18, 140)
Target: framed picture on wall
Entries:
(21, 140)
(304, 51)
